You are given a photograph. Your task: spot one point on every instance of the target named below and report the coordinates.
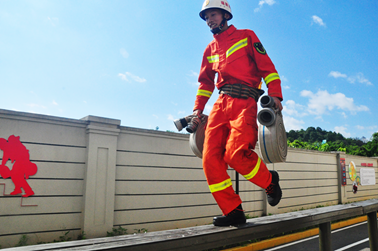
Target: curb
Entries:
(294, 237)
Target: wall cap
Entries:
(102, 120)
(40, 118)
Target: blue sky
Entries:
(138, 61)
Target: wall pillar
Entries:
(99, 183)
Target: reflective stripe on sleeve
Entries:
(254, 171)
(204, 93)
(220, 186)
(213, 58)
(237, 46)
(271, 77)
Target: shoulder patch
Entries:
(259, 48)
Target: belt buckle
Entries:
(238, 91)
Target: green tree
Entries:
(292, 135)
(312, 138)
(330, 136)
(339, 136)
(374, 137)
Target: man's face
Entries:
(213, 18)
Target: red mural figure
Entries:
(17, 153)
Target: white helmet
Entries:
(215, 4)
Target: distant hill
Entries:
(317, 139)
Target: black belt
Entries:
(241, 91)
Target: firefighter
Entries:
(240, 61)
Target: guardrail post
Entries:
(325, 241)
(373, 232)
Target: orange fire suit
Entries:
(237, 57)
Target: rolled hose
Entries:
(197, 138)
(267, 115)
(272, 141)
(267, 101)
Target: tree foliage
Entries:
(326, 141)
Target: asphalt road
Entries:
(351, 238)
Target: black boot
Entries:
(234, 218)
(273, 191)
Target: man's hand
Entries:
(198, 113)
(277, 103)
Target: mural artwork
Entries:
(353, 176)
(22, 168)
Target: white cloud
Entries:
(269, 2)
(123, 76)
(359, 77)
(262, 2)
(366, 128)
(124, 53)
(54, 102)
(293, 109)
(292, 123)
(283, 79)
(322, 102)
(127, 76)
(343, 131)
(196, 84)
(337, 74)
(318, 20)
(193, 74)
(170, 117)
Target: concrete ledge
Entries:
(206, 237)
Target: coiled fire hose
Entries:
(196, 127)
(272, 139)
(197, 138)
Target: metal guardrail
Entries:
(207, 237)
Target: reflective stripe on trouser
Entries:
(231, 133)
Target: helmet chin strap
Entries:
(219, 29)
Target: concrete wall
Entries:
(58, 147)
(309, 179)
(95, 175)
